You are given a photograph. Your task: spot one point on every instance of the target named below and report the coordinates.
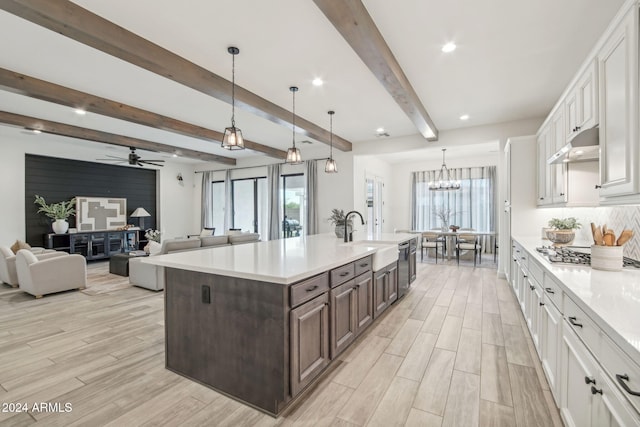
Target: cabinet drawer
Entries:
(553, 291)
(535, 270)
(342, 274)
(309, 289)
(623, 371)
(588, 332)
(363, 265)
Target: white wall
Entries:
(174, 200)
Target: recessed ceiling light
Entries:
(174, 155)
(380, 130)
(464, 117)
(36, 131)
(449, 47)
(80, 112)
(317, 81)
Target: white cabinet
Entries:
(581, 103)
(544, 172)
(550, 334)
(618, 112)
(558, 171)
(587, 397)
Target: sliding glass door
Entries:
(249, 197)
(293, 199)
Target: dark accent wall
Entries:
(62, 179)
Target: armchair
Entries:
(8, 273)
(55, 274)
(431, 240)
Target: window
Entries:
(473, 206)
(292, 197)
(249, 197)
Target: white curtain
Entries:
(228, 202)
(473, 206)
(206, 197)
(311, 193)
(273, 187)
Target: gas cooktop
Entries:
(576, 255)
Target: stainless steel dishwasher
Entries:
(403, 268)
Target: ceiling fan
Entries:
(133, 159)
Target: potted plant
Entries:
(337, 219)
(60, 212)
(562, 230)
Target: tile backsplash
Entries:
(615, 217)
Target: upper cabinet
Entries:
(618, 70)
(581, 103)
(604, 93)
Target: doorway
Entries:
(374, 188)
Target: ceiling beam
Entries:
(40, 89)
(71, 131)
(352, 20)
(77, 23)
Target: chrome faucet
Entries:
(348, 236)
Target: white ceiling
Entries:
(513, 60)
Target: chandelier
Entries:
(444, 181)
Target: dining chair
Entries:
(469, 242)
(431, 240)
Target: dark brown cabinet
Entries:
(364, 301)
(385, 288)
(309, 341)
(95, 244)
(344, 313)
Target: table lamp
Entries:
(140, 213)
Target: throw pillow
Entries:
(207, 232)
(19, 245)
(154, 248)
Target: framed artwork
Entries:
(100, 213)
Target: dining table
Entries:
(452, 236)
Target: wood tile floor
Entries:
(453, 352)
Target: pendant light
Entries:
(331, 166)
(444, 182)
(293, 154)
(232, 139)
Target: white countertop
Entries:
(610, 298)
(282, 261)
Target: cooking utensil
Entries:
(593, 232)
(597, 236)
(624, 237)
(609, 237)
(604, 229)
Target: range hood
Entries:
(582, 148)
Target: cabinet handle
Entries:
(595, 390)
(550, 290)
(541, 198)
(312, 288)
(621, 380)
(572, 320)
(562, 194)
(364, 264)
(578, 128)
(522, 257)
(598, 186)
(525, 276)
(346, 273)
(532, 287)
(541, 304)
(589, 380)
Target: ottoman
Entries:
(119, 264)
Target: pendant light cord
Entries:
(233, 90)
(331, 136)
(294, 117)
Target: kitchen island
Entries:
(259, 322)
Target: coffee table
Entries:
(119, 264)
